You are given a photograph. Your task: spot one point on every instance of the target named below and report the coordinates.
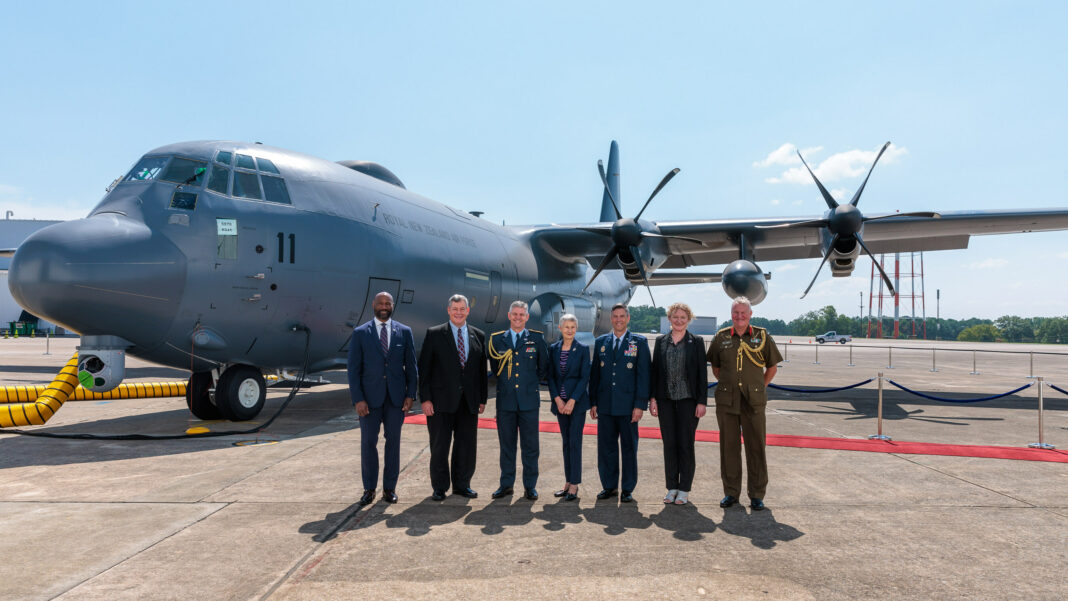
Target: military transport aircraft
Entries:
(230, 259)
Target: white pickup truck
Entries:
(833, 337)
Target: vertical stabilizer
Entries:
(607, 212)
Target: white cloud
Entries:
(785, 155)
(797, 203)
(775, 202)
(23, 206)
(1063, 255)
(842, 165)
(839, 193)
(787, 267)
(991, 263)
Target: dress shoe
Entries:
(626, 497)
(466, 492)
(503, 491)
(389, 496)
(560, 493)
(571, 496)
(368, 496)
(727, 501)
(530, 494)
(607, 493)
(439, 495)
(757, 504)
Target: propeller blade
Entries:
(604, 263)
(809, 223)
(684, 238)
(604, 180)
(886, 278)
(832, 204)
(822, 263)
(856, 197)
(645, 278)
(659, 187)
(911, 214)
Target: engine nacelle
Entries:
(843, 258)
(744, 278)
(102, 362)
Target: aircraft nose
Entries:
(106, 274)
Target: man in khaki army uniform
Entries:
(744, 359)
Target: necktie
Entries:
(615, 347)
(460, 346)
(385, 340)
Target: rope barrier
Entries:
(811, 391)
(945, 400)
(1058, 389)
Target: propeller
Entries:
(844, 221)
(627, 234)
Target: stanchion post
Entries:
(1032, 375)
(889, 357)
(850, 364)
(934, 365)
(48, 343)
(817, 361)
(1041, 444)
(975, 371)
(787, 358)
(880, 435)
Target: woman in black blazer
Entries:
(679, 380)
(569, 379)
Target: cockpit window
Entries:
(219, 180)
(146, 169)
(225, 157)
(185, 171)
(245, 162)
(266, 165)
(275, 189)
(247, 185)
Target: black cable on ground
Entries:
(292, 393)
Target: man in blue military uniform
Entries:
(619, 394)
(520, 360)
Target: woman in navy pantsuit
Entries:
(569, 379)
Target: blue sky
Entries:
(507, 109)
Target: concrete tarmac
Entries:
(209, 519)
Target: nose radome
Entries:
(105, 274)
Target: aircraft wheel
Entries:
(197, 397)
(240, 393)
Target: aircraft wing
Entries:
(721, 237)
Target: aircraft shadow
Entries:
(167, 373)
(310, 413)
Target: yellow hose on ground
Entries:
(137, 390)
(46, 405)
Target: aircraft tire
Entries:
(240, 393)
(197, 397)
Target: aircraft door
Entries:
(494, 307)
(374, 286)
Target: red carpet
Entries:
(837, 444)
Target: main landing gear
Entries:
(238, 394)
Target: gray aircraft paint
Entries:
(230, 281)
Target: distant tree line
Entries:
(1007, 328)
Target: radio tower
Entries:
(909, 297)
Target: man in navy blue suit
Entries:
(382, 381)
(521, 361)
(619, 394)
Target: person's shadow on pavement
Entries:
(758, 526)
(685, 521)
